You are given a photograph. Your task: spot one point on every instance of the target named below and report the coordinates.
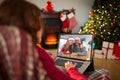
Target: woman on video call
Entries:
(26, 17)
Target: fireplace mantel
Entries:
(50, 15)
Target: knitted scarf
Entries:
(18, 56)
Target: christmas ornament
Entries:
(65, 22)
(72, 20)
(49, 6)
(91, 12)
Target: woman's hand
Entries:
(69, 64)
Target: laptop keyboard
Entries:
(61, 62)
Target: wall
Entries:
(83, 7)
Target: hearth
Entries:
(52, 30)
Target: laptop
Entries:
(82, 60)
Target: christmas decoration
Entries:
(99, 54)
(72, 20)
(106, 52)
(68, 20)
(65, 22)
(116, 51)
(104, 22)
(49, 6)
(107, 49)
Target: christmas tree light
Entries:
(104, 21)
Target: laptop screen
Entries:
(77, 46)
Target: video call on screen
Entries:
(86, 41)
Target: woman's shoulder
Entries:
(42, 51)
(43, 54)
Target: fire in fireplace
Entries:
(51, 39)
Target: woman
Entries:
(26, 16)
(67, 47)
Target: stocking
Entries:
(65, 22)
(72, 21)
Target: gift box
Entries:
(116, 50)
(99, 54)
(110, 54)
(107, 49)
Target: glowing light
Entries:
(51, 40)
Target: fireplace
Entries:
(52, 30)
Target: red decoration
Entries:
(72, 20)
(94, 35)
(116, 51)
(112, 23)
(91, 12)
(49, 6)
(106, 27)
(65, 22)
(91, 31)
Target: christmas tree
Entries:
(104, 21)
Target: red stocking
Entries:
(72, 21)
(65, 22)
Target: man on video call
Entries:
(78, 48)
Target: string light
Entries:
(104, 22)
